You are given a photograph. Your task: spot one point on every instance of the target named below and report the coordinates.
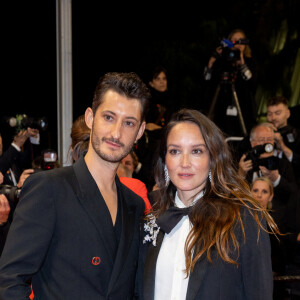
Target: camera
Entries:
(228, 52)
(288, 134)
(271, 163)
(12, 193)
(47, 160)
(231, 54)
(22, 121)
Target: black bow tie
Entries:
(170, 218)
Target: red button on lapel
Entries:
(96, 260)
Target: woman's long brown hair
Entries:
(216, 214)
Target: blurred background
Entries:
(122, 37)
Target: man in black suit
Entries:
(75, 233)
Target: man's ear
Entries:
(288, 113)
(89, 117)
(141, 131)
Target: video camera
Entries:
(228, 52)
(12, 193)
(22, 121)
(271, 162)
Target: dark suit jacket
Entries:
(251, 279)
(63, 238)
(17, 160)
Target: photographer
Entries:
(232, 63)
(4, 216)
(279, 171)
(282, 176)
(6, 213)
(4, 220)
(287, 138)
(9, 197)
(18, 156)
(9, 194)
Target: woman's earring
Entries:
(167, 177)
(209, 175)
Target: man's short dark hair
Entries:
(129, 85)
(277, 100)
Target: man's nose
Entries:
(116, 130)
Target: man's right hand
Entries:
(32, 132)
(4, 209)
(244, 166)
(21, 138)
(26, 173)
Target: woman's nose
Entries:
(185, 160)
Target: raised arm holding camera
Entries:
(279, 171)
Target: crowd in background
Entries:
(267, 157)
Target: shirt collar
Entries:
(180, 204)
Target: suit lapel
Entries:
(128, 220)
(151, 253)
(95, 207)
(150, 267)
(196, 278)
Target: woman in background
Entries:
(263, 191)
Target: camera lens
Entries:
(269, 148)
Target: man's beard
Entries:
(113, 158)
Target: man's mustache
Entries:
(115, 141)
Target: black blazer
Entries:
(63, 238)
(251, 279)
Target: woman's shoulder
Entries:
(252, 222)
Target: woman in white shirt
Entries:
(206, 237)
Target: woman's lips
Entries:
(185, 175)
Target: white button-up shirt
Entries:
(170, 279)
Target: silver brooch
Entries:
(153, 230)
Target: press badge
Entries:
(231, 111)
(290, 137)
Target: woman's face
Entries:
(261, 192)
(160, 83)
(187, 160)
(236, 37)
(127, 161)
